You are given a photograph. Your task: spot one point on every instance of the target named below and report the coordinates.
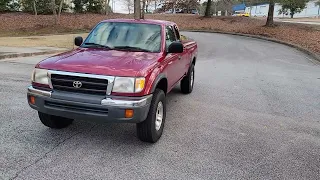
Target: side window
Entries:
(177, 32)
(170, 36)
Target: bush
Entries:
(9, 5)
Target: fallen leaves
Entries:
(303, 35)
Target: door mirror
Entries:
(175, 47)
(78, 41)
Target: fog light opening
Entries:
(32, 100)
(128, 113)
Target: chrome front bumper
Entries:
(90, 107)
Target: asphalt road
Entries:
(254, 114)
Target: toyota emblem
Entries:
(77, 84)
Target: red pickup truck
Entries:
(120, 73)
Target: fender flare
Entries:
(157, 80)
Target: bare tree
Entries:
(148, 2)
(143, 8)
(59, 11)
(53, 7)
(35, 7)
(129, 4)
(155, 4)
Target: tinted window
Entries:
(145, 36)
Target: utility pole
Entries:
(137, 9)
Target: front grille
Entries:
(76, 108)
(88, 85)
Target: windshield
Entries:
(126, 36)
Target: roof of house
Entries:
(239, 7)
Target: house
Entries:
(261, 10)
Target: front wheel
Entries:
(54, 122)
(151, 129)
(187, 82)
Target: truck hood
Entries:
(103, 62)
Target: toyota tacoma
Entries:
(120, 73)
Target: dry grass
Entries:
(61, 41)
(26, 25)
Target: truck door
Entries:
(172, 60)
(184, 57)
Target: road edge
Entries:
(17, 55)
(302, 49)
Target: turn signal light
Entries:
(32, 100)
(128, 113)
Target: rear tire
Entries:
(151, 129)
(54, 122)
(187, 82)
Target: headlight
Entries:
(139, 85)
(128, 85)
(40, 76)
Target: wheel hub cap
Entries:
(192, 77)
(159, 116)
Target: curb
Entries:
(304, 50)
(29, 54)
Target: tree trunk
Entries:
(54, 11)
(292, 12)
(35, 8)
(215, 8)
(106, 6)
(143, 8)
(270, 14)
(60, 9)
(137, 9)
(208, 9)
(53, 7)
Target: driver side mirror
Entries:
(78, 41)
(175, 47)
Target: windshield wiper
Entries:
(97, 45)
(130, 48)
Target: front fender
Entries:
(153, 80)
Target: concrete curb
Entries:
(302, 49)
(16, 55)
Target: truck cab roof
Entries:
(145, 21)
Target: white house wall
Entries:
(262, 10)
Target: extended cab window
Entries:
(127, 36)
(170, 36)
(177, 32)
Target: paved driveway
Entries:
(254, 114)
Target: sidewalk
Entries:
(310, 21)
(12, 52)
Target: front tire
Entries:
(151, 129)
(54, 122)
(187, 82)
